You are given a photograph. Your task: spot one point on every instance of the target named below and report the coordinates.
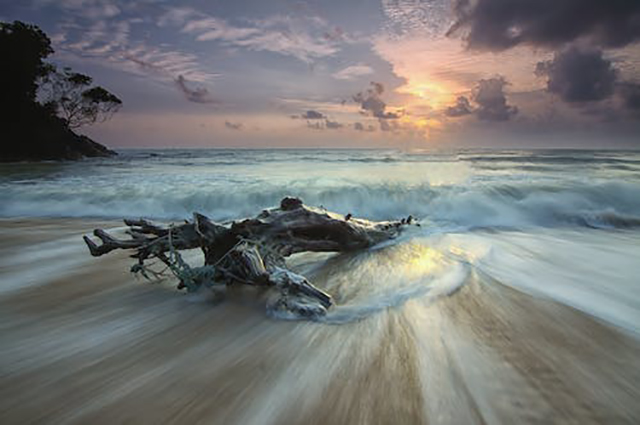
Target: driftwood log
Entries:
(251, 251)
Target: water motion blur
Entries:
(516, 301)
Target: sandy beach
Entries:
(83, 342)
(312, 212)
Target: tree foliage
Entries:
(23, 48)
(41, 105)
(70, 94)
(28, 78)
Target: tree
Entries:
(23, 48)
(70, 94)
(32, 130)
(27, 76)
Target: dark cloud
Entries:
(386, 125)
(491, 100)
(460, 109)
(378, 88)
(233, 126)
(583, 77)
(310, 115)
(579, 74)
(630, 94)
(326, 124)
(501, 24)
(360, 127)
(318, 121)
(370, 102)
(197, 95)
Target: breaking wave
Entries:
(613, 204)
(458, 190)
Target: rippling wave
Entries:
(458, 189)
(516, 294)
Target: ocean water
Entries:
(517, 300)
(563, 224)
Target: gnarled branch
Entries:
(253, 251)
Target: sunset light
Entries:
(320, 212)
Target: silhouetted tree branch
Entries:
(70, 94)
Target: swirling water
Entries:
(465, 188)
(516, 301)
(512, 202)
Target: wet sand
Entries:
(83, 342)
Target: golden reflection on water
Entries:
(419, 260)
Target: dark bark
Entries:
(252, 251)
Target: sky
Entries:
(354, 73)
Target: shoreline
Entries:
(87, 343)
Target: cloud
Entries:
(196, 95)
(378, 88)
(491, 100)
(360, 127)
(100, 38)
(318, 121)
(88, 9)
(211, 28)
(233, 126)
(324, 124)
(582, 76)
(167, 64)
(386, 125)
(370, 102)
(334, 105)
(109, 42)
(579, 74)
(300, 46)
(285, 35)
(352, 72)
(338, 34)
(176, 16)
(500, 24)
(460, 109)
(630, 94)
(413, 16)
(310, 115)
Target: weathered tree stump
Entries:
(251, 251)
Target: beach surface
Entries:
(84, 342)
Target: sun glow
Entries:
(422, 123)
(433, 94)
(421, 260)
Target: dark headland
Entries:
(41, 138)
(42, 106)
